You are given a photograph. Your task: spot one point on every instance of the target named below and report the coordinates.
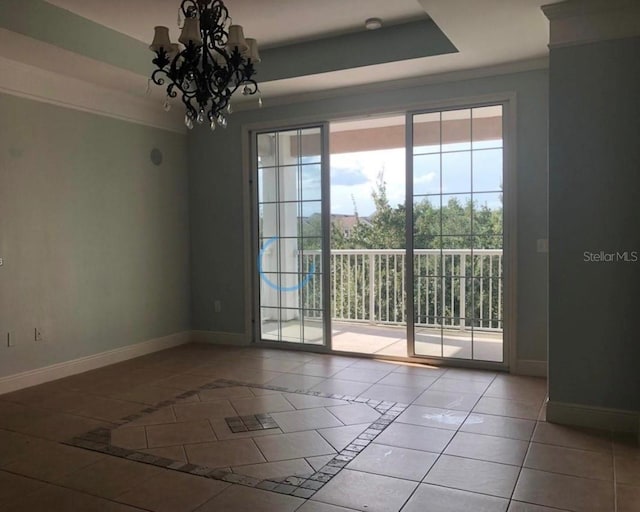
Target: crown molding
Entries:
(50, 24)
(576, 22)
(393, 85)
(25, 81)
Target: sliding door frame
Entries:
(509, 243)
(509, 101)
(254, 242)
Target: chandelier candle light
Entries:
(215, 60)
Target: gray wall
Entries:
(93, 235)
(594, 183)
(216, 186)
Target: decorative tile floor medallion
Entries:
(192, 436)
(251, 423)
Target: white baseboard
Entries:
(220, 338)
(531, 367)
(83, 364)
(614, 420)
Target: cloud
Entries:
(348, 176)
(430, 177)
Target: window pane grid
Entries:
(290, 236)
(457, 201)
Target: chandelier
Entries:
(214, 61)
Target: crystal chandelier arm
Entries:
(157, 78)
(250, 87)
(175, 75)
(188, 7)
(187, 99)
(170, 91)
(161, 60)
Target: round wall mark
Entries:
(156, 156)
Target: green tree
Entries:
(440, 222)
(386, 226)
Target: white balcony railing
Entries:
(453, 288)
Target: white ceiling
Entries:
(487, 33)
(271, 22)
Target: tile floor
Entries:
(467, 440)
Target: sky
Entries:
(354, 175)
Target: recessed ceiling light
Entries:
(373, 24)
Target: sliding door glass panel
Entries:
(290, 235)
(457, 234)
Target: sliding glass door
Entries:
(290, 229)
(439, 284)
(455, 233)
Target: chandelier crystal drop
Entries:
(212, 61)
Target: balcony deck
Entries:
(387, 340)
(392, 341)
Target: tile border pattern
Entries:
(99, 440)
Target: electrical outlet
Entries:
(38, 335)
(542, 245)
(11, 339)
(217, 306)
